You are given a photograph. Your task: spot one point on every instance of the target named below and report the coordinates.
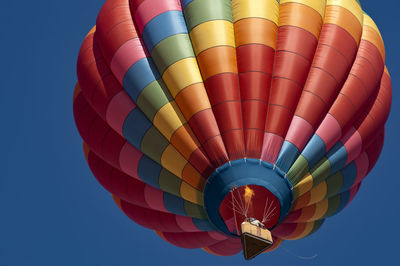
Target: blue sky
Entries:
(53, 211)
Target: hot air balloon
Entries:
(232, 125)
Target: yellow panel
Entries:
(371, 33)
(182, 74)
(369, 22)
(191, 194)
(173, 161)
(350, 5)
(318, 193)
(303, 186)
(267, 9)
(320, 210)
(167, 121)
(318, 5)
(212, 33)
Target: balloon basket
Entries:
(255, 239)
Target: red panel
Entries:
(114, 26)
(228, 247)
(254, 114)
(152, 219)
(278, 120)
(254, 85)
(312, 109)
(222, 87)
(84, 115)
(253, 140)
(291, 66)
(296, 40)
(116, 182)
(375, 148)
(198, 159)
(282, 230)
(223, 91)
(340, 40)
(343, 110)
(96, 80)
(135, 4)
(364, 78)
(190, 240)
(255, 57)
(206, 130)
(323, 84)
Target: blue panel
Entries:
(204, 225)
(184, 3)
(174, 205)
(344, 199)
(240, 173)
(337, 156)
(287, 156)
(162, 26)
(139, 75)
(135, 126)
(149, 171)
(349, 176)
(314, 150)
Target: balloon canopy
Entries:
(197, 115)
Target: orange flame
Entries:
(248, 193)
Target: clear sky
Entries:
(53, 211)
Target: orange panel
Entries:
(193, 178)
(220, 59)
(181, 137)
(255, 30)
(345, 19)
(302, 16)
(192, 100)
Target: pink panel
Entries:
(299, 132)
(329, 131)
(362, 164)
(217, 236)
(186, 223)
(283, 230)
(149, 9)
(128, 54)
(129, 159)
(118, 109)
(353, 143)
(154, 198)
(271, 147)
(231, 224)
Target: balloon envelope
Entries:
(198, 114)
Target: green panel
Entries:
(194, 210)
(169, 183)
(321, 171)
(171, 50)
(200, 11)
(317, 225)
(153, 144)
(334, 184)
(333, 205)
(298, 170)
(152, 98)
